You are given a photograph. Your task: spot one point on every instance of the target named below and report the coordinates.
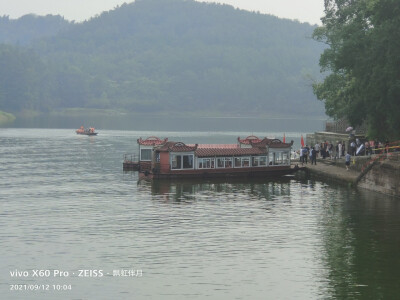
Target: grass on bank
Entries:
(6, 118)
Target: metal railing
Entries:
(131, 157)
(390, 152)
(340, 126)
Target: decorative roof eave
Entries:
(152, 141)
(250, 140)
(257, 142)
(275, 143)
(181, 147)
(262, 143)
(177, 147)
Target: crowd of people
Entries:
(322, 150)
(339, 150)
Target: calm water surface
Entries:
(66, 204)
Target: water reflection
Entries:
(191, 190)
(361, 245)
(357, 230)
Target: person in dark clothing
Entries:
(313, 156)
(343, 148)
(353, 148)
(306, 153)
(348, 157)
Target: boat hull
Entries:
(221, 173)
(87, 133)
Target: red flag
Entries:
(302, 141)
(284, 139)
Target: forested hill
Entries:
(162, 56)
(30, 27)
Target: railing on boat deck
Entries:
(131, 162)
(131, 157)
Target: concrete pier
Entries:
(376, 173)
(329, 170)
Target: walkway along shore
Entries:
(379, 173)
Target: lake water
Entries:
(174, 123)
(66, 205)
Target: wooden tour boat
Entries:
(248, 157)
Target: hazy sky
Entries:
(303, 10)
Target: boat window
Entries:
(200, 162)
(221, 162)
(206, 163)
(245, 162)
(176, 162)
(145, 154)
(187, 161)
(278, 158)
(255, 161)
(281, 158)
(272, 158)
(224, 162)
(228, 162)
(258, 161)
(242, 162)
(238, 163)
(285, 158)
(179, 161)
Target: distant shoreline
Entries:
(194, 121)
(95, 112)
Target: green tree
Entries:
(363, 59)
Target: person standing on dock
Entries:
(302, 155)
(343, 148)
(313, 156)
(348, 158)
(353, 148)
(317, 147)
(306, 153)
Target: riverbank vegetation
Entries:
(6, 118)
(363, 60)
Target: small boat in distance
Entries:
(87, 131)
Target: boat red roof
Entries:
(205, 152)
(211, 150)
(218, 146)
(258, 146)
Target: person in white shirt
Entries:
(317, 148)
(353, 148)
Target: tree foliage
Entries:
(363, 59)
(30, 27)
